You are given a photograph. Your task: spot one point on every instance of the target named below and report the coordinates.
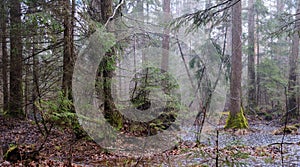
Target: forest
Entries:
(194, 83)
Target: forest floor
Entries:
(259, 146)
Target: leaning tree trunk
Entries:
(16, 65)
(236, 118)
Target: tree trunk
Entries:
(3, 36)
(35, 74)
(106, 12)
(140, 6)
(228, 52)
(27, 87)
(16, 66)
(140, 9)
(236, 118)
(293, 62)
(251, 51)
(166, 38)
(105, 71)
(68, 57)
(258, 94)
(236, 60)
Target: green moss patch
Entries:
(12, 154)
(237, 121)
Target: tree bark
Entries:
(68, 57)
(251, 63)
(16, 65)
(166, 38)
(236, 60)
(35, 74)
(140, 10)
(3, 36)
(293, 62)
(236, 118)
(105, 71)
(258, 87)
(26, 86)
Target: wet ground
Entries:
(261, 135)
(258, 147)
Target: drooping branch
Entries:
(287, 26)
(202, 17)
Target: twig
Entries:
(138, 161)
(282, 143)
(216, 82)
(284, 134)
(190, 76)
(114, 13)
(217, 144)
(206, 15)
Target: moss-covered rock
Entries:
(237, 121)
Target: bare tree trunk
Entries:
(166, 38)
(236, 60)
(68, 57)
(251, 51)
(35, 74)
(236, 118)
(16, 65)
(293, 62)
(278, 58)
(228, 52)
(258, 93)
(3, 37)
(27, 87)
(140, 9)
(140, 6)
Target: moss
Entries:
(136, 128)
(12, 154)
(238, 121)
(11, 149)
(268, 117)
(117, 120)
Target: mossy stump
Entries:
(237, 121)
